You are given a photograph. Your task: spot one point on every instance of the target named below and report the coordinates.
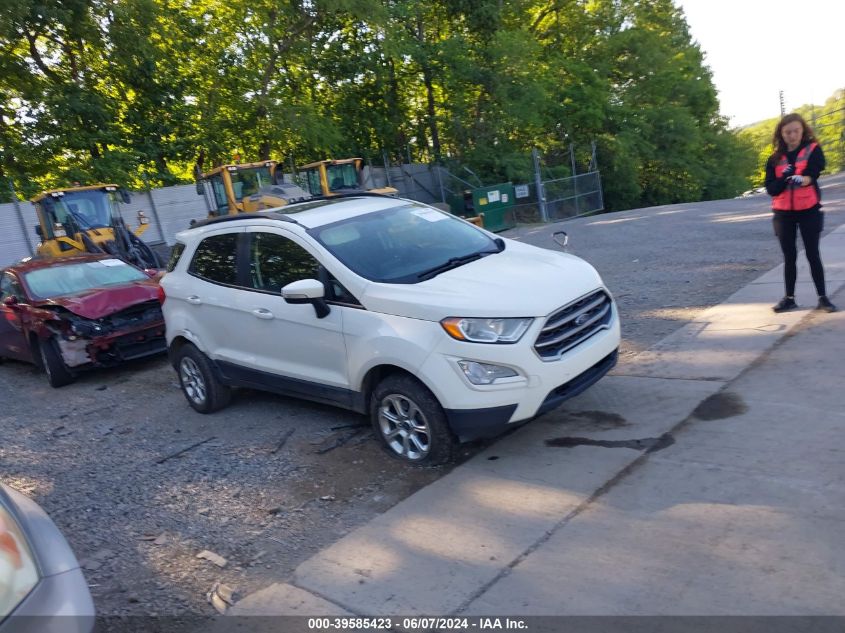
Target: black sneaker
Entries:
(825, 305)
(785, 304)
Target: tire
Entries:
(410, 422)
(204, 392)
(57, 372)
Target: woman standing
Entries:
(792, 172)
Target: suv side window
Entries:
(216, 259)
(275, 261)
(175, 254)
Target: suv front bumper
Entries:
(477, 411)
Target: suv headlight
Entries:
(475, 330)
(18, 571)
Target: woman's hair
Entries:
(806, 137)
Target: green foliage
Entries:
(139, 92)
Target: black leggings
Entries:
(811, 223)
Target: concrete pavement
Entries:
(704, 477)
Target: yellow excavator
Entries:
(247, 187)
(250, 187)
(87, 220)
(333, 177)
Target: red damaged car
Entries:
(70, 314)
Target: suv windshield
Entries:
(404, 245)
(71, 279)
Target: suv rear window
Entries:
(215, 259)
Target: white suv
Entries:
(438, 330)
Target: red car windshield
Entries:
(71, 279)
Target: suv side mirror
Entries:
(200, 188)
(10, 301)
(38, 231)
(308, 291)
(125, 196)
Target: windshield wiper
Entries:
(453, 262)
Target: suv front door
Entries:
(300, 352)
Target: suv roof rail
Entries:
(282, 216)
(242, 216)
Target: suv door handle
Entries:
(261, 313)
(194, 300)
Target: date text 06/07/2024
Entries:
(415, 623)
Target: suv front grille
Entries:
(574, 324)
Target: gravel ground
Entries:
(141, 484)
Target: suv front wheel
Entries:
(205, 393)
(410, 422)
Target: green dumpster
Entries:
(495, 203)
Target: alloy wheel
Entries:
(192, 380)
(404, 427)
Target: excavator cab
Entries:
(232, 189)
(332, 177)
(88, 220)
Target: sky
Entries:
(756, 48)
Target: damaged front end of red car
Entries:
(84, 342)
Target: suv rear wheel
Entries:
(205, 393)
(410, 422)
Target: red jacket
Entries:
(796, 197)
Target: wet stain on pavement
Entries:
(601, 419)
(719, 406)
(649, 444)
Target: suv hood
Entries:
(100, 302)
(521, 281)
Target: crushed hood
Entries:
(101, 302)
(521, 281)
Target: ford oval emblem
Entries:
(582, 319)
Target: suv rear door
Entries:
(209, 292)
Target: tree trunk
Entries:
(432, 117)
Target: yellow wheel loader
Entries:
(245, 188)
(333, 177)
(87, 220)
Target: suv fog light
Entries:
(484, 374)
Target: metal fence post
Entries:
(538, 182)
(440, 182)
(598, 188)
